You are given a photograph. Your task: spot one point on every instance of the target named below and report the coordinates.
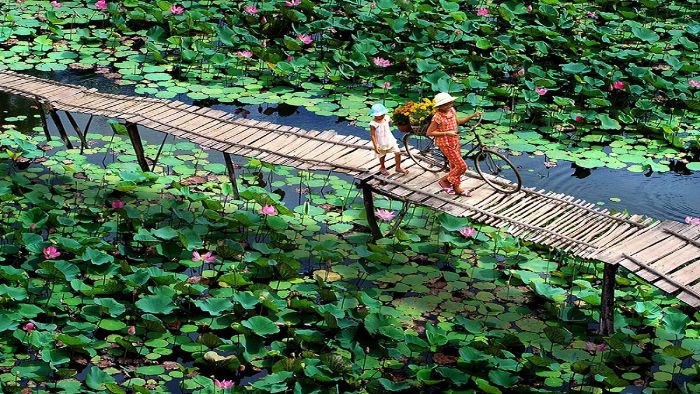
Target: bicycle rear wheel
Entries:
(499, 172)
(423, 151)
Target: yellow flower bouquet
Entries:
(413, 113)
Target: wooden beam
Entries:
(44, 125)
(232, 175)
(369, 210)
(135, 138)
(81, 136)
(607, 301)
(61, 130)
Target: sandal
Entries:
(463, 193)
(446, 188)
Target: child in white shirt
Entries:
(384, 142)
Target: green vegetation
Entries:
(101, 289)
(570, 77)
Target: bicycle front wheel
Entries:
(499, 172)
(422, 150)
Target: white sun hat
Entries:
(443, 98)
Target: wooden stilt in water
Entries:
(83, 141)
(135, 138)
(232, 175)
(399, 218)
(43, 120)
(59, 125)
(607, 301)
(160, 149)
(369, 210)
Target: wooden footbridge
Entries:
(665, 253)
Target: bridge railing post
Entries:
(133, 130)
(44, 123)
(232, 175)
(607, 301)
(368, 199)
(59, 125)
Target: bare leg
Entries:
(397, 159)
(382, 167)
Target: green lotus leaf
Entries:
(97, 378)
(214, 306)
(261, 326)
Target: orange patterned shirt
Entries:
(446, 122)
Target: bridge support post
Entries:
(133, 130)
(59, 125)
(44, 124)
(83, 141)
(368, 199)
(399, 218)
(232, 175)
(607, 301)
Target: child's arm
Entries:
(468, 118)
(372, 132)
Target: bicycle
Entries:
(494, 168)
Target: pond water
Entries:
(671, 195)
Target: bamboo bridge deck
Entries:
(666, 253)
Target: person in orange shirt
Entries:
(443, 128)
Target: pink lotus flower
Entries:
(269, 210)
(482, 12)
(56, 4)
(290, 58)
(595, 348)
(101, 4)
(694, 83)
(541, 91)
(550, 164)
(207, 257)
(251, 9)
(619, 85)
(520, 72)
(305, 38)
(131, 330)
(244, 53)
(177, 9)
(32, 227)
(50, 252)
(223, 384)
(529, 8)
(292, 3)
(263, 20)
(118, 204)
(580, 118)
(468, 232)
(381, 62)
(692, 221)
(592, 15)
(386, 85)
(29, 327)
(372, 5)
(458, 32)
(385, 214)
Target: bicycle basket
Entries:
(422, 128)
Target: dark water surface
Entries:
(668, 195)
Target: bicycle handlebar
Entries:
(481, 117)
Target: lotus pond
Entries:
(565, 79)
(115, 280)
